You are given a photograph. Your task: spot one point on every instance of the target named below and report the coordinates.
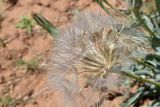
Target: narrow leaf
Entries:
(134, 98)
(102, 6)
(46, 25)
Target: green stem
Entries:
(141, 79)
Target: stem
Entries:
(141, 79)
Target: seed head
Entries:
(90, 54)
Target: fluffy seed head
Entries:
(90, 54)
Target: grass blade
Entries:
(102, 6)
(46, 25)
